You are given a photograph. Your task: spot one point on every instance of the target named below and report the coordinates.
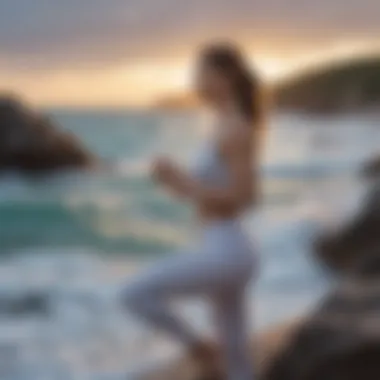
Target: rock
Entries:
(340, 341)
(271, 342)
(30, 142)
(264, 347)
(355, 248)
(371, 168)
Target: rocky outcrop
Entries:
(371, 168)
(341, 338)
(356, 248)
(30, 142)
(263, 348)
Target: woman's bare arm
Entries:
(240, 190)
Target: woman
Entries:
(223, 185)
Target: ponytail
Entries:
(245, 83)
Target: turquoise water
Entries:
(76, 238)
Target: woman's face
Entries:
(211, 84)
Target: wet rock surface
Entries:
(340, 340)
(356, 247)
(371, 168)
(31, 142)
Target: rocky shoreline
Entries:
(31, 143)
(340, 338)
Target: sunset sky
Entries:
(130, 52)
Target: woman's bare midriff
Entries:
(206, 216)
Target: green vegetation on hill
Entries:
(339, 87)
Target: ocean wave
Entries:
(61, 314)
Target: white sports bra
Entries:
(209, 167)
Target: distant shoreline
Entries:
(341, 88)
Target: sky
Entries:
(131, 52)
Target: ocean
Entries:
(69, 243)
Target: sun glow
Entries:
(142, 83)
(270, 68)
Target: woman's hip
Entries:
(216, 262)
(227, 237)
(227, 242)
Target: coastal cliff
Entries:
(348, 86)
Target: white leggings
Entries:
(218, 267)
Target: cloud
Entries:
(43, 34)
(94, 52)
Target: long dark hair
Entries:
(246, 84)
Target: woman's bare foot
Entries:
(209, 358)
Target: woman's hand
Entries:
(164, 170)
(170, 175)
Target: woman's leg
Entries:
(231, 316)
(143, 300)
(213, 271)
(186, 274)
